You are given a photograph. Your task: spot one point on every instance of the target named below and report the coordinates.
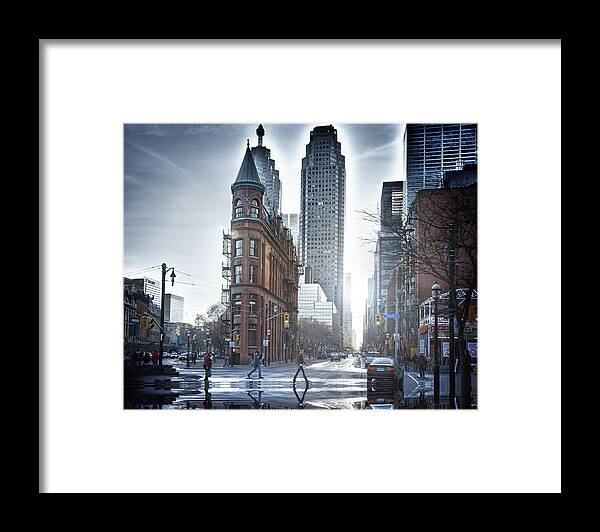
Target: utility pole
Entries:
(451, 313)
(162, 309)
(435, 291)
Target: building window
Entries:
(254, 209)
(252, 337)
(253, 248)
(252, 304)
(237, 304)
(238, 274)
(239, 248)
(239, 209)
(252, 273)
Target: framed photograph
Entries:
(318, 230)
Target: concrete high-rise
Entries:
(173, 308)
(269, 176)
(322, 214)
(432, 149)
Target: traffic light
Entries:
(378, 319)
(286, 320)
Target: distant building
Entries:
(173, 308)
(291, 221)
(264, 273)
(313, 304)
(269, 176)
(432, 149)
(147, 286)
(348, 341)
(387, 253)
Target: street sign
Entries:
(231, 343)
(392, 316)
(266, 343)
(134, 320)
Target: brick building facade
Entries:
(264, 281)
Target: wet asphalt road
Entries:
(332, 385)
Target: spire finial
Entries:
(260, 131)
(247, 143)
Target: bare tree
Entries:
(314, 336)
(423, 241)
(211, 323)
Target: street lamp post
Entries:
(435, 292)
(162, 308)
(187, 359)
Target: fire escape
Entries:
(226, 289)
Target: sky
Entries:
(177, 180)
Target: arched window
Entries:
(239, 209)
(254, 209)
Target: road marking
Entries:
(418, 383)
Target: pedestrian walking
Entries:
(422, 363)
(154, 358)
(207, 365)
(226, 363)
(301, 364)
(256, 365)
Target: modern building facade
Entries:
(388, 239)
(269, 176)
(322, 214)
(173, 308)
(264, 281)
(290, 220)
(432, 149)
(313, 304)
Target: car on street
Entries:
(385, 373)
(335, 357)
(370, 356)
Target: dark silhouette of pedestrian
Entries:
(422, 363)
(301, 364)
(301, 403)
(207, 365)
(256, 365)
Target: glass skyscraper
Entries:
(432, 149)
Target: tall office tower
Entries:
(291, 221)
(322, 214)
(173, 308)
(269, 176)
(432, 149)
(388, 240)
(348, 310)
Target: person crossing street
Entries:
(301, 363)
(207, 365)
(256, 361)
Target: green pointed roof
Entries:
(248, 174)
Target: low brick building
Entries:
(264, 280)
